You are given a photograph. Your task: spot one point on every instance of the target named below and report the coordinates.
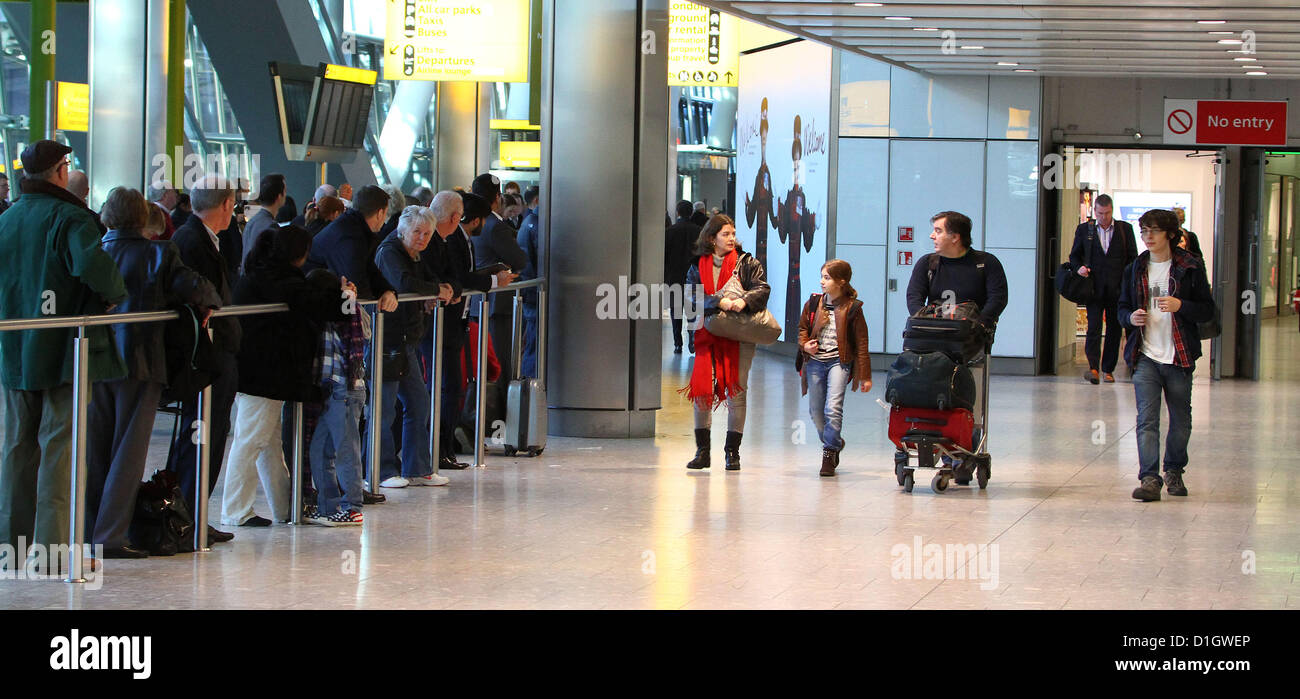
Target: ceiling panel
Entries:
(1064, 37)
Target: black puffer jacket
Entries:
(156, 280)
(279, 358)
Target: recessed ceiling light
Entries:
(1256, 72)
(1230, 42)
(925, 29)
(1024, 70)
(1253, 67)
(1221, 33)
(1007, 63)
(1211, 21)
(899, 19)
(1243, 59)
(868, 4)
(973, 48)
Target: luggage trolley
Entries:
(932, 433)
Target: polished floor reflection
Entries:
(621, 524)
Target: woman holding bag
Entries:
(721, 365)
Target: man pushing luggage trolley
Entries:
(955, 296)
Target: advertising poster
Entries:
(782, 171)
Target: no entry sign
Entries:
(1225, 122)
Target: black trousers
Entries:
(1103, 356)
(502, 330)
(117, 444)
(183, 460)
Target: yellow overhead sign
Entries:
(471, 40)
(350, 74)
(73, 107)
(703, 47)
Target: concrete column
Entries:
(157, 95)
(461, 150)
(119, 47)
(603, 187)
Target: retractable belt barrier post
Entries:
(376, 396)
(77, 506)
(296, 480)
(435, 388)
(480, 419)
(81, 401)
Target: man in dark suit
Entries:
(679, 244)
(1102, 249)
(498, 242)
(460, 252)
(213, 201)
(528, 242)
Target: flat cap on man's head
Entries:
(43, 155)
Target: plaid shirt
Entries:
(1181, 357)
(342, 348)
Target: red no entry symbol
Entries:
(1180, 121)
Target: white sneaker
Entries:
(431, 479)
(394, 482)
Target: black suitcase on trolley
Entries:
(960, 338)
(930, 380)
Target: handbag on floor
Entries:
(162, 524)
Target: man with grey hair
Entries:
(213, 201)
(447, 208)
(164, 196)
(79, 185)
(399, 258)
(51, 264)
(325, 190)
(396, 205)
(422, 196)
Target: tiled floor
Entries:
(621, 524)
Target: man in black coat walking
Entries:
(679, 246)
(1101, 250)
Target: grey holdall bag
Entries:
(759, 328)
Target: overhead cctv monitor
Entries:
(323, 111)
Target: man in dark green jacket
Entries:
(50, 265)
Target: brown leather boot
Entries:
(828, 462)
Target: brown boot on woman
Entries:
(828, 461)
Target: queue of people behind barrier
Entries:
(58, 257)
(60, 260)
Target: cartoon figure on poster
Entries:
(760, 206)
(797, 224)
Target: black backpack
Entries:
(190, 367)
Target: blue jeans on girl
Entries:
(827, 382)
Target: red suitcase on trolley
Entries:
(954, 426)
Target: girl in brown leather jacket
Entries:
(833, 355)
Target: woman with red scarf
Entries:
(721, 367)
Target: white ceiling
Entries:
(1056, 37)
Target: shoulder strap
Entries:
(931, 265)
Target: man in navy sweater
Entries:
(954, 273)
(970, 275)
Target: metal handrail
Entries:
(81, 399)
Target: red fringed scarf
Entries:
(715, 376)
